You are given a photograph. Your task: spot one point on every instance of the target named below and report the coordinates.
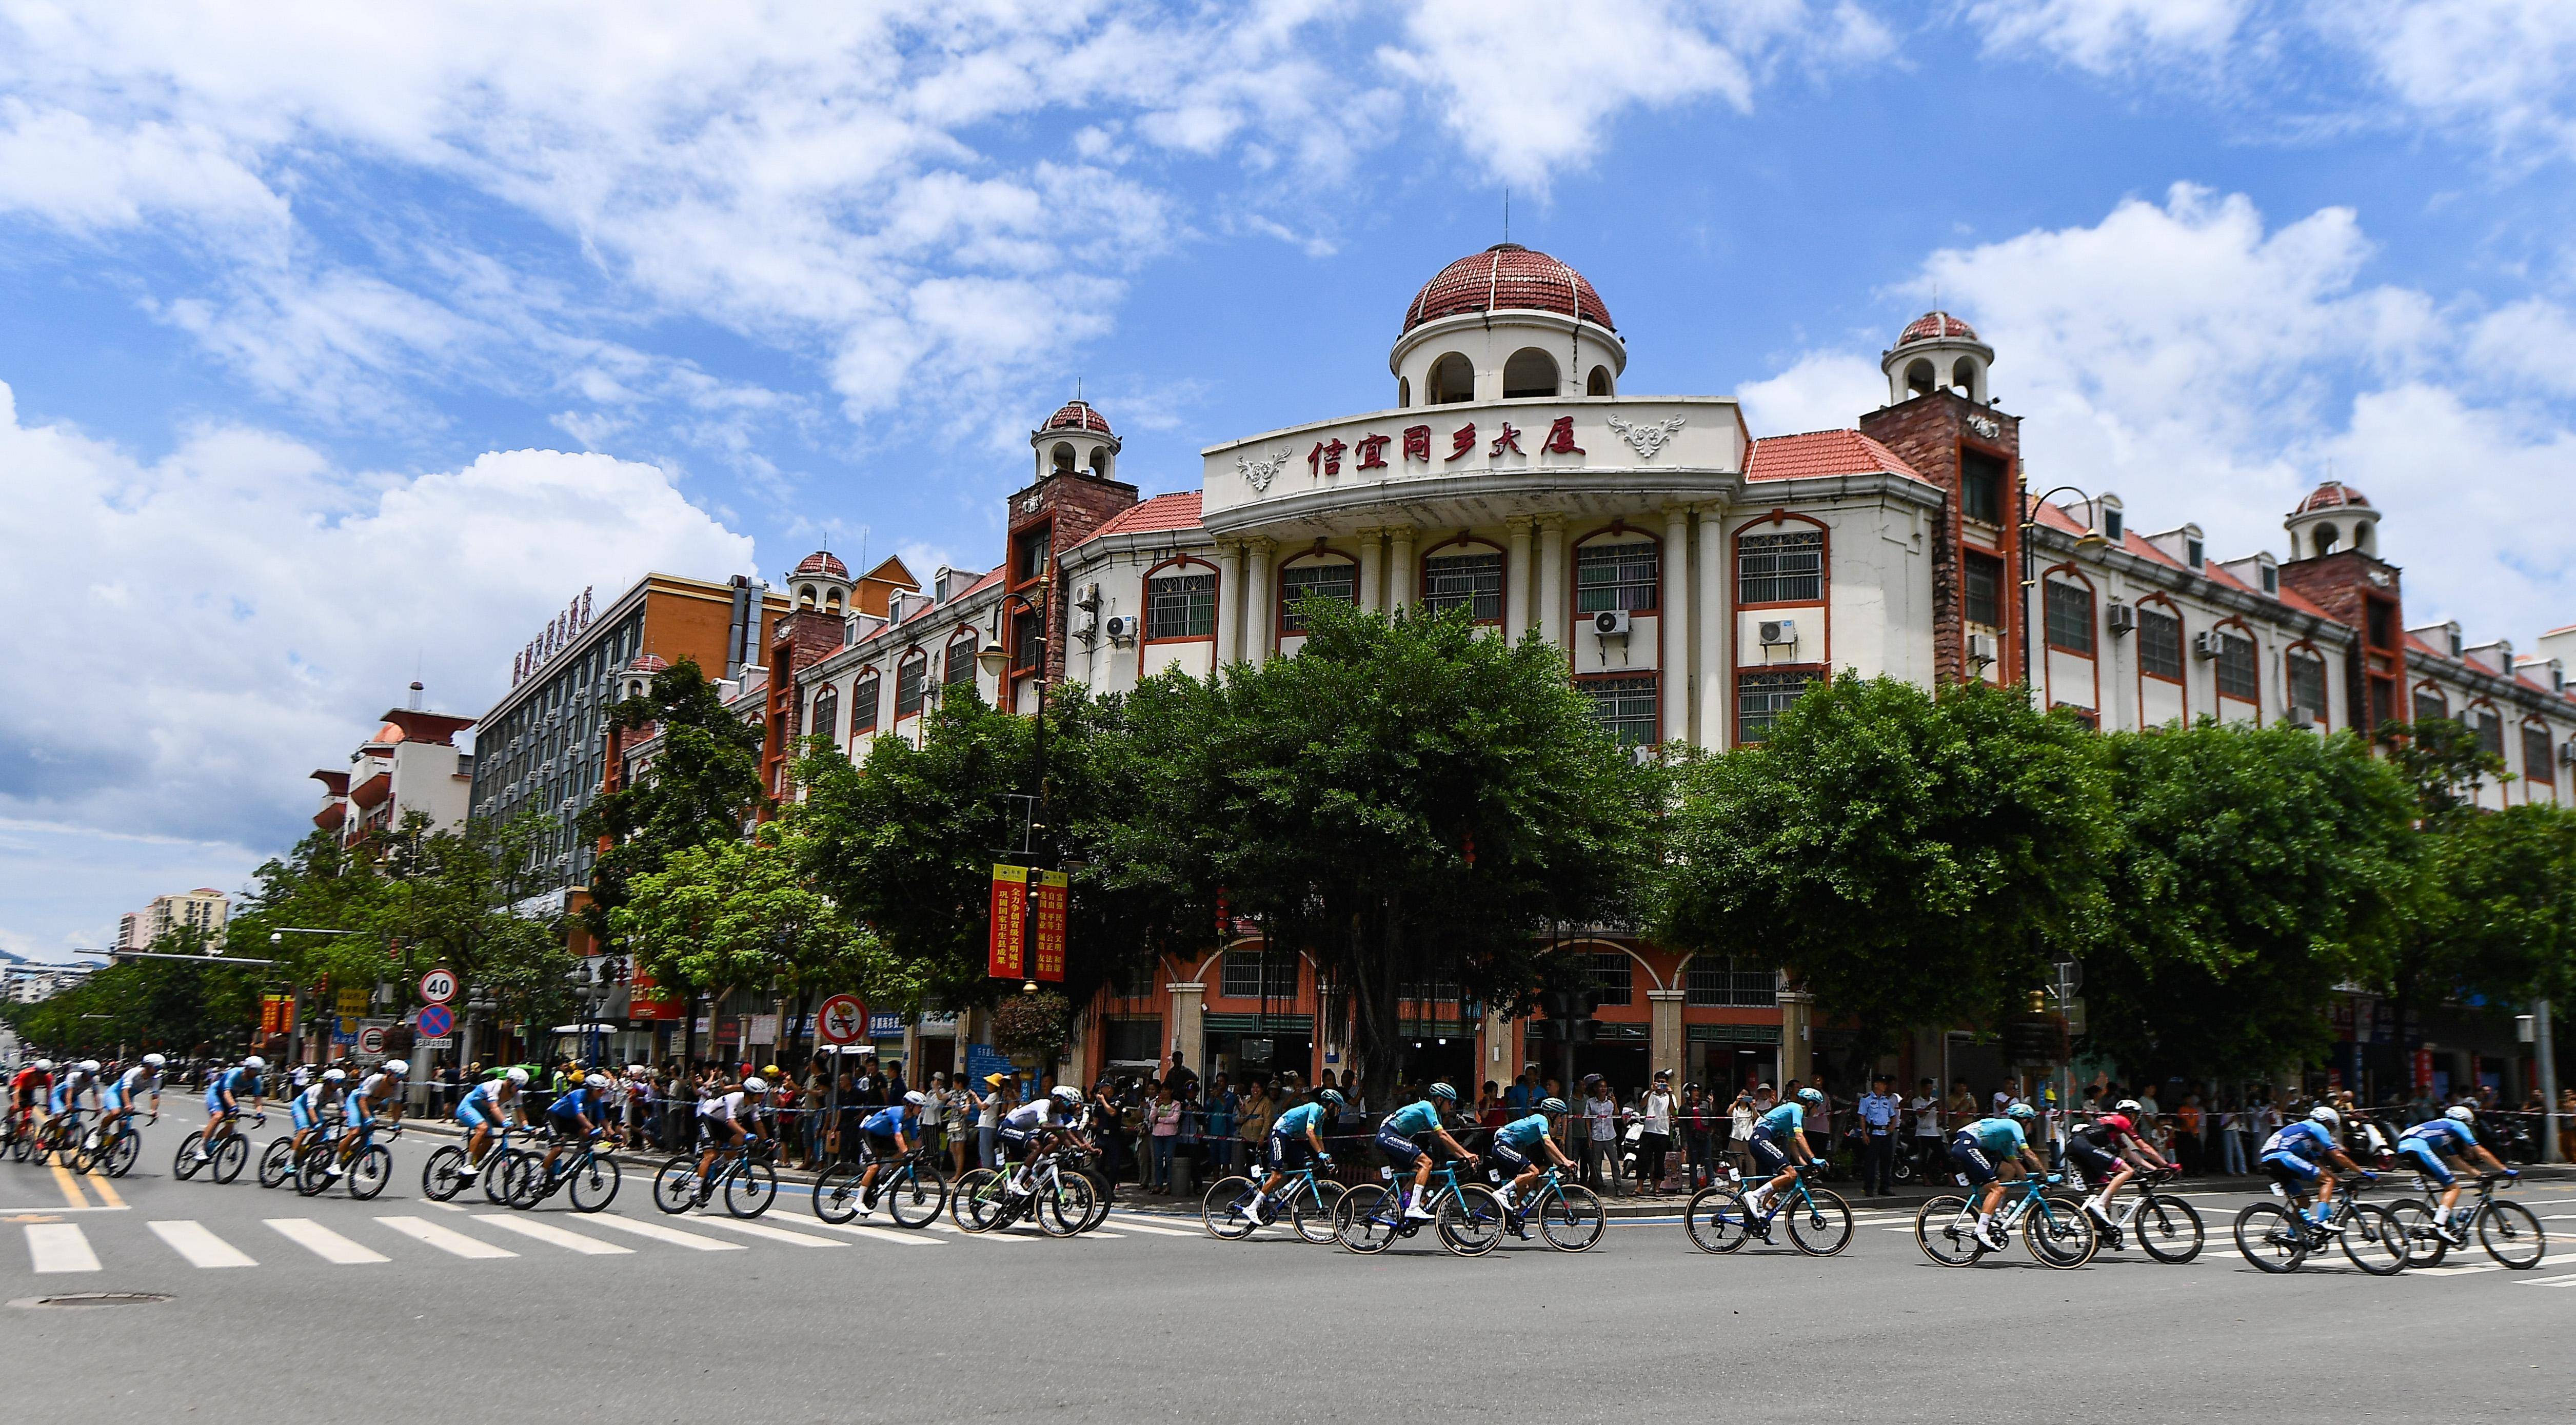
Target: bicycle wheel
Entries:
(438, 1176)
(531, 1185)
(1100, 1190)
(1717, 1220)
(20, 1145)
(976, 1204)
(1226, 1209)
(836, 1193)
(1364, 1220)
(230, 1158)
(276, 1161)
(1821, 1226)
(594, 1184)
(2512, 1235)
(1311, 1210)
(675, 1184)
(2376, 1242)
(1064, 1206)
(2414, 1224)
(184, 1164)
(2168, 1227)
(370, 1171)
(2058, 1235)
(1947, 1233)
(311, 1176)
(1470, 1220)
(917, 1195)
(750, 1188)
(1571, 1219)
(2271, 1237)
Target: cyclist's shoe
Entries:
(1264, 1212)
(2094, 1210)
(2455, 1235)
(2328, 1228)
(1414, 1211)
(1991, 1236)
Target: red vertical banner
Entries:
(646, 999)
(1006, 951)
(2423, 1068)
(1052, 888)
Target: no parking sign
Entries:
(841, 1020)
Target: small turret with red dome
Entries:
(2333, 517)
(1937, 352)
(1506, 324)
(821, 582)
(1076, 440)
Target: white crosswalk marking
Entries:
(1130, 1224)
(1001, 1236)
(548, 1233)
(322, 1242)
(2548, 1281)
(660, 1233)
(454, 1243)
(774, 1234)
(905, 1236)
(201, 1247)
(59, 1247)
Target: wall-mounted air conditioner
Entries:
(1089, 598)
(1122, 628)
(2567, 753)
(1611, 623)
(1086, 621)
(2204, 644)
(2120, 618)
(1981, 649)
(2302, 719)
(1777, 632)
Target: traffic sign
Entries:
(841, 1020)
(435, 1020)
(371, 1040)
(438, 987)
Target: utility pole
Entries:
(2544, 1049)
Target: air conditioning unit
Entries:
(2120, 618)
(1089, 598)
(1086, 621)
(1611, 623)
(1981, 649)
(2302, 719)
(1778, 632)
(1122, 628)
(2567, 753)
(2204, 644)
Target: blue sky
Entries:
(345, 345)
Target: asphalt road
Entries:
(285, 1309)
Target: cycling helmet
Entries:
(1810, 1097)
(1552, 1105)
(2021, 1112)
(1328, 1098)
(45, 1066)
(89, 1066)
(2462, 1112)
(2118, 1122)
(917, 1099)
(153, 1061)
(2326, 1116)
(333, 1076)
(2129, 1105)
(754, 1085)
(254, 1062)
(518, 1078)
(397, 1066)
(1443, 1092)
(1067, 1093)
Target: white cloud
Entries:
(1821, 390)
(2109, 34)
(2506, 67)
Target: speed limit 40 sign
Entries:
(438, 986)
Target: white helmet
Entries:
(397, 1066)
(917, 1099)
(2462, 1112)
(153, 1061)
(2326, 1116)
(89, 1066)
(45, 1065)
(333, 1076)
(1067, 1093)
(2128, 1105)
(755, 1084)
(254, 1062)
(518, 1078)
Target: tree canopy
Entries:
(701, 787)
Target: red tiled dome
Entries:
(1932, 325)
(646, 663)
(1507, 277)
(1078, 415)
(821, 561)
(2331, 496)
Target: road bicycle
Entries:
(2279, 1236)
(910, 1188)
(2507, 1229)
(1820, 1222)
(114, 1146)
(742, 1174)
(590, 1173)
(1228, 1212)
(60, 1138)
(277, 1160)
(443, 1176)
(1058, 1199)
(17, 1135)
(2056, 1232)
(225, 1163)
(371, 1164)
(1371, 1218)
(1570, 1217)
(2166, 1227)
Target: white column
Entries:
(1674, 664)
(1403, 579)
(1372, 568)
(1715, 579)
(1551, 579)
(1229, 602)
(1516, 583)
(1259, 605)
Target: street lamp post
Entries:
(2090, 539)
(995, 659)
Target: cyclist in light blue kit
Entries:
(116, 1101)
(1979, 1150)
(1522, 1143)
(493, 1101)
(1778, 1145)
(1296, 1139)
(2425, 1147)
(890, 1131)
(307, 1109)
(223, 1103)
(1395, 1143)
(2302, 1158)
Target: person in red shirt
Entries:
(28, 1088)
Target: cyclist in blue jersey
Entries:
(379, 1092)
(579, 1112)
(493, 1101)
(1778, 1144)
(2424, 1148)
(1395, 1135)
(307, 1109)
(116, 1101)
(890, 1132)
(1296, 1139)
(1979, 1150)
(224, 1093)
(1523, 1143)
(2304, 1155)
(79, 1079)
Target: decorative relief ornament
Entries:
(1986, 426)
(1259, 473)
(1647, 437)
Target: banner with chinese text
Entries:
(1052, 887)
(1005, 952)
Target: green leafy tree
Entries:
(702, 786)
(2256, 870)
(2444, 762)
(134, 1006)
(2494, 915)
(1909, 858)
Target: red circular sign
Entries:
(841, 1020)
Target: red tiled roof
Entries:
(1823, 452)
(1163, 512)
(1504, 277)
(2417, 645)
(822, 561)
(1078, 415)
(1935, 324)
(647, 663)
(2329, 496)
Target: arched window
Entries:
(1180, 601)
(1403, 392)
(1963, 375)
(1100, 462)
(825, 721)
(1327, 576)
(1598, 383)
(911, 676)
(2068, 609)
(2159, 640)
(2303, 672)
(1724, 982)
(1529, 375)
(1062, 455)
(2429, 703)
(1780, 562)
(1617, 570)
(1452, 380)
(863, 703)
(805, 596)
(832, 601)
(2240, 665)
(958, 665)
(1918, 377)
(1466, 575)
(2326, 539)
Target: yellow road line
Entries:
(106, 1192)
(70, 1186)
